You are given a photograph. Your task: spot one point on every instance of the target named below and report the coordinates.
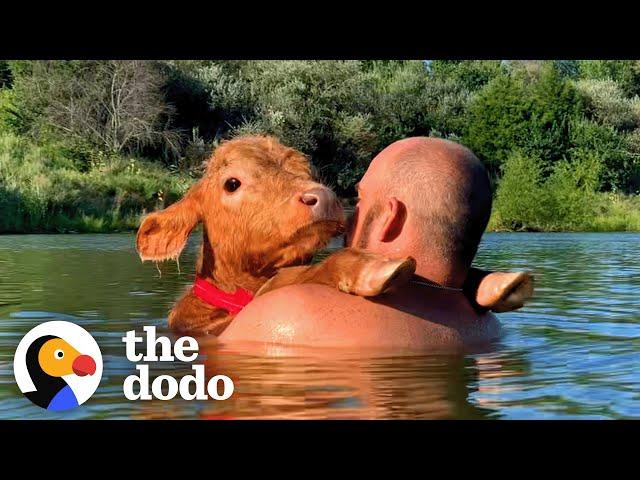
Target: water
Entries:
(573, 352)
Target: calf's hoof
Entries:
(505, 291)
(379, 275)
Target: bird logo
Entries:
(58, 365)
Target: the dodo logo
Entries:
(58, 365)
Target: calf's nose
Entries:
(309, 198)
(323, 203)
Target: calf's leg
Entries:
(367, 274)
(351, 271)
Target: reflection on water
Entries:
(572, 353)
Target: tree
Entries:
(625, 72)
(5, 74)
(114, 106)
(472, 74)
(529, 110)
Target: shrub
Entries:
(41, 190)
(7, 110)
(570, 198)
(621, 164)
(5, 74)
(518, 196)
(410, 102)
(517, 113)
(566, 200)
(606, 103)
(624, 72)
(113, 106)
(472, 74)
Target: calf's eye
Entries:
(232, 184)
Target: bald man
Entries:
(426, 198)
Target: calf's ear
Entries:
(162, 235)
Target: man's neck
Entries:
(444, 275)
(430, 266)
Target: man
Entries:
(422, 197)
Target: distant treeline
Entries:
(90, 145)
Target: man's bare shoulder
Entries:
(297, 314)
(304, 300)
(321, 316)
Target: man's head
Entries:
(424, 197)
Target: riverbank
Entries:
(560, 139)
(602, 212)
(47, 189)
(618, 214)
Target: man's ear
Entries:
(162, 235)
(394, 215)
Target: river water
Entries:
(572, 352)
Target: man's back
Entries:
(417, 317)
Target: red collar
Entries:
(231, 302)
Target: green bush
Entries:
(8, 120)
(565, 200)
(625, 73)
(472, 74)
(409, 101)
(41, 190)
(515, 112)
(518, 202)
(5, 74)
(570, 196)
(606, 103)
(618, 153)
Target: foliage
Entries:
(69, 130)
(607, 104)
(565, 200)
(624, 72)
(41, 190)
(339, 112)
(472, 74)
(111, 106)
(5, 74)
(516, 112)
(618, 154)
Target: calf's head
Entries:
(260, 209)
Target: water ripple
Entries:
(573, 352)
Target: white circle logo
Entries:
(58, 365)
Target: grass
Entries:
(609, 213)
(44, 189)
(617, 213)
(567, 199)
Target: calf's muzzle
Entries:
(323, 203)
